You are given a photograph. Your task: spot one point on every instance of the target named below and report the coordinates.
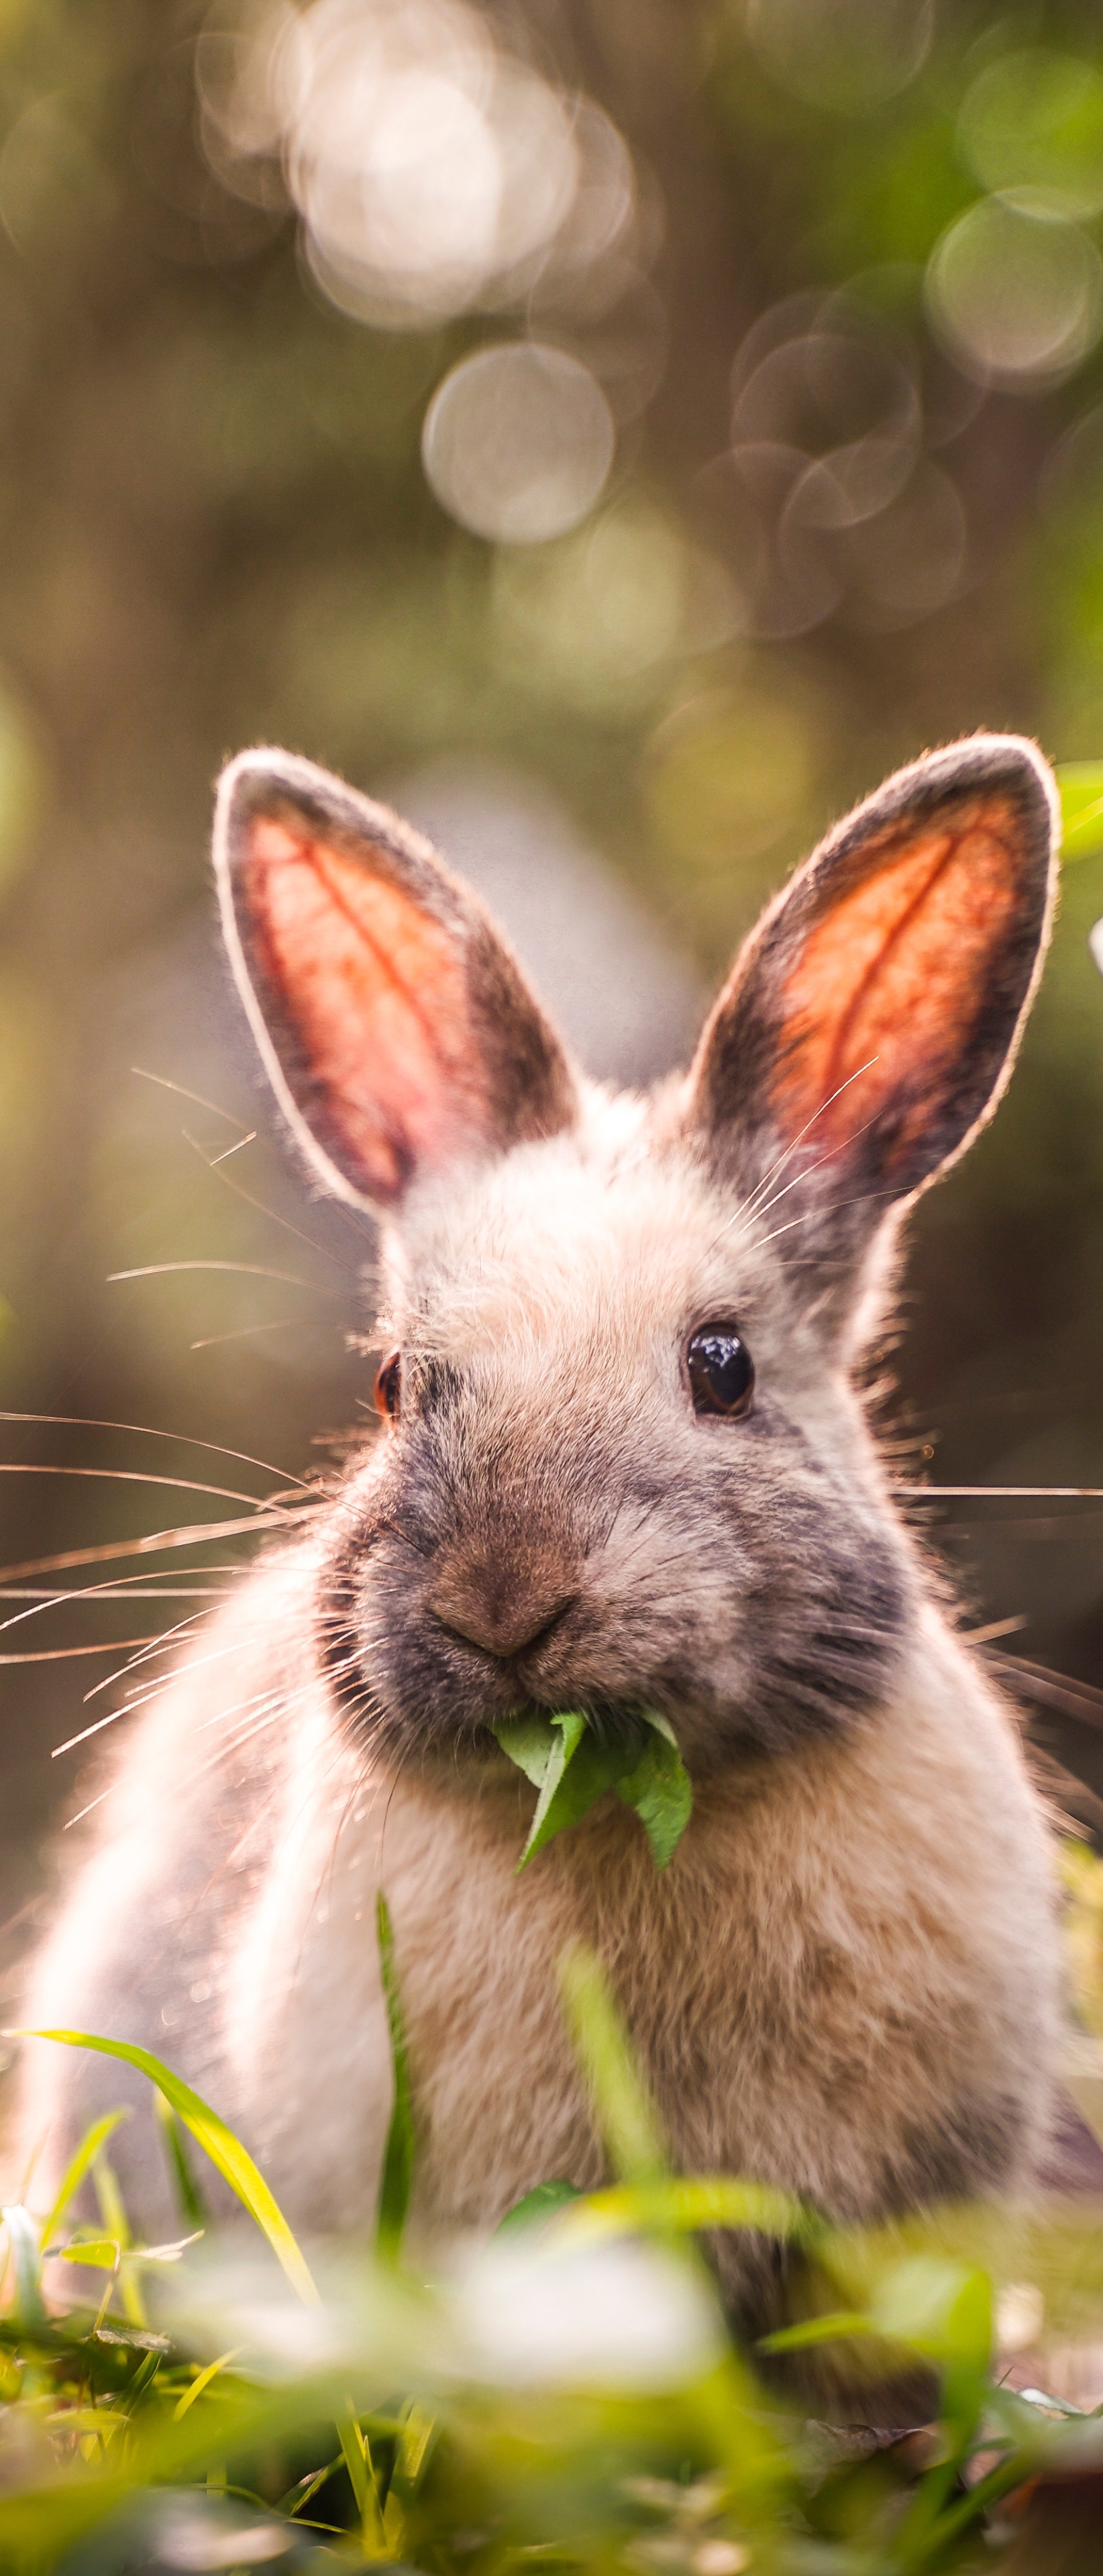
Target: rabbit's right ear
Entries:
(870, 1023)
(397, 1029)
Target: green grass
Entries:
(566, 2397)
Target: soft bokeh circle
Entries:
(518, 442)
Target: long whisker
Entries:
(817, 1166)
(272, 1214)
(43, 1601)
(149, 1431)
(153, 1646)
(244, 1332)
(802, 1132)
(196, 1097)
(811, 1213)
(241, 1269)
(138, 1476)
(238, 1147)
(46, 1598)
(189, 1536)
(65, 1654)
(1006, 1493)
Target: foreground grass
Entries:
(567, 2396)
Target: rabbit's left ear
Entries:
(870, 1022)
(397, 1029)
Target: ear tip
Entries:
(1008, 760)
(261, 779)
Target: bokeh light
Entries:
(842, 54)
(1015, 293)
(518, 442)
(435, 168)
(1035, 120)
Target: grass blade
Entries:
(398, 2159)
(78, 2165)
(624, 2114)
(193, 2207)
(226, 2152)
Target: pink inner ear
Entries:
(897, 971)
(370, 990)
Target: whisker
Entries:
(193, 1535)
(64, 1654)
(138, 1476)
(196, 1097)
(241, 1269)
(154, 1645)
(272, 1214)
(120, 1591)
(862, 1200)
(996, 1628)
(282, 1324)
(82, 1812)
(1006, 1493)
(782, 1159)
(238, 1148)
(149, 1431)
(809, 1168)
(99, 1592)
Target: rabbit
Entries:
(622, 1465)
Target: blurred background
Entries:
(619, 431)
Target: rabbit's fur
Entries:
(845, 1982)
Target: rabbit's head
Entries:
(623, 1463)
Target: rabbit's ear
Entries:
(871, 1020)
(395, 1025)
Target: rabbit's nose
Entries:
(495, 1609)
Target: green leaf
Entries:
(660, 1791)
(103, 2252)
(1081, 788)
(573, 1785)
(538, 2204)
(217, 2140)
(572, 1769)
(398, 2159)
(530, 1743)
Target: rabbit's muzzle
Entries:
(502, 1609)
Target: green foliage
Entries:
(572, 1768)
(451, 2459)
(398, 2156)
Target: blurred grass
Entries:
(394, 2429)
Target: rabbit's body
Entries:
(845, 1981)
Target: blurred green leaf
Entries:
(538, 2204)
(398, 2158)
(1081, 788)
(624, 2114)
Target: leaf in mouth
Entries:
(571, 1769)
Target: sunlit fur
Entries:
(844, 1983)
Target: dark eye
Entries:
(387, 1384)
(721, 1371)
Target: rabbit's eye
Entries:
(387, 1384)
(721, 1371)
